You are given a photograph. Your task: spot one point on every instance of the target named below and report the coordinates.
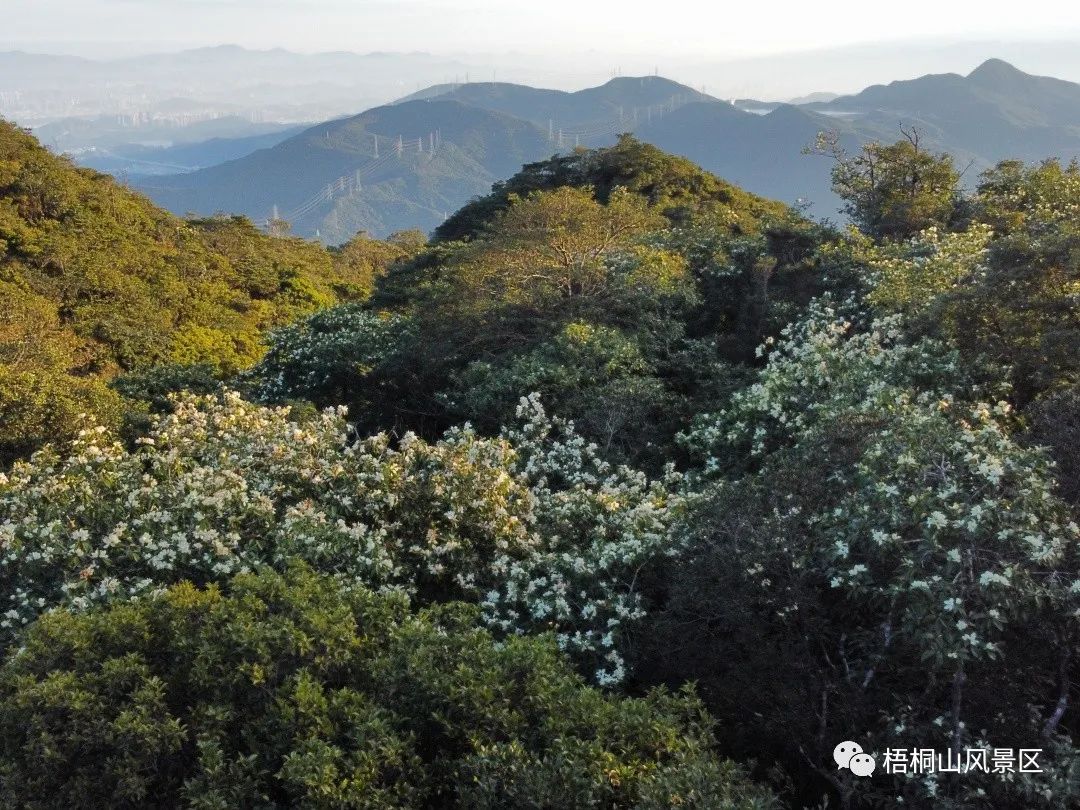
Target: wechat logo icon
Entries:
(850, 755)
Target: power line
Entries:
(352, 182)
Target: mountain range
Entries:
(391, 168)
(406, 164)
(995, 111)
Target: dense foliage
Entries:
(579, 288)
(675, 186)
(95, 280)
(888, 509)
(533, 524)
(618, 418)
(894, 190)
(293, 692)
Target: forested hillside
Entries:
(628, 489)
(96, 281)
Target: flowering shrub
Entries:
(597, 527)
(1042, 200)
(820, 366)
(322, 358)
(532, 523)
(907, 275)
(36, 408)
(925, 546)
(601, 377)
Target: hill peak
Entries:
(787, 112)
(651, 85)
(641, 81)
(995, 70)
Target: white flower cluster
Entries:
(549, 533)
(336, 343)
(936, 510)
(819, 366)
(1044, 199)
(907, 274)
(600, 526)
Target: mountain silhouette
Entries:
(390, 168)
(483, 132)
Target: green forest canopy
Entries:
(619, 423)
(95, 281)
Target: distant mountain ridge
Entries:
(481, 132)
(997, 111)
(623, 99)
(1022, 98)
(390, 168)
(434, 152)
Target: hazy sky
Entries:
(714, 29)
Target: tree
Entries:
(889, 560)
(1021, 310)
(598, 376)
(531, 524)
(361, 261)
(551, 250)
(913, 275)
(1055, 424)
(549, 260)
(278, 227)
(290, 690)
(95, 281)
(673, 186)
(893, 191)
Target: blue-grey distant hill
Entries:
(996, 111)
(391, 168)
(183, 157)
(621, 101)
(458, 139)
